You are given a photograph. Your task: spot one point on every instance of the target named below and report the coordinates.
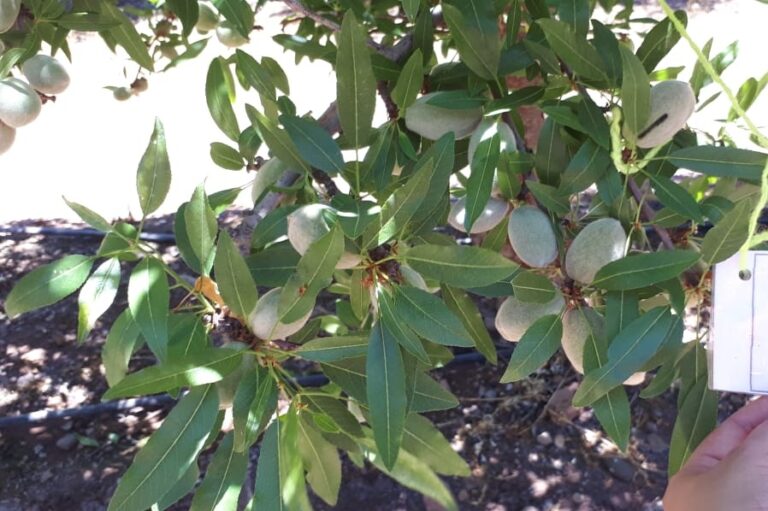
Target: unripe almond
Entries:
(596, 245)
(578, 325)
(672, 103)
(515, 317)
(228, 35)
(208, 19)
(532, 236)
(19, 103)
(432, 122)
(9, 11)
(122, 93)
(485, 130)
(7, 136)
(307, 224)
(46, 74)
(2, 47)
(635, 379)
(494, 212)
(264, 318)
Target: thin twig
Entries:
(297, 7)
(386, 97)
(648, 214)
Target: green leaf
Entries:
(430, 396)
(573, 49)
(635, 91)
(746, 95)
(460, 99)
(314, 144)
(608, 48)
(123, 339)
(359, 294)
(460, 266)
(187, 11)
(696, 419)
(423, 440)
(89, 216)
(593, 120)
(182, 487)
(576, 14)
(48, 284)
(321, 461)
(550, 197)
(727, 237)
(463, 306)
(127, 36)
(675, 197)
(219, 95)
(356, 85)
(153, 177)
(475, 31)
(480, 182)
(272, 227)
(148, 298)
(409, 82)
(411, 8)
(277, 140)
(273, 266)
(330, 349)
(429, 317)
(226, 157)
(515, 99)
(201, 225)
(627, 353)
(588, 165)
(237, 12)
(533, 288)
(186, 335)
(9, 59)
(169, 453)
(256, 75)
(313, 274)
(721, 161)
(198, 368)
(254, 403)
(659, 41)
(551, 156)
(621, 309)
(404, 335)
(536, 347)
(336, 410)
(184, 244)
(224, 478)
(233, 278)
(96, 295)
(386, 392)
(642, 270)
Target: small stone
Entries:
(559, 441)
(539, 488)
(463, 495)
(67, 442)
(620, 469)
(544, 438)
(66, 426)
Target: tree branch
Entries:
(297, 7)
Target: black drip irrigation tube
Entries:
(162, 401)
(157, 237)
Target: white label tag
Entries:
(738, 340)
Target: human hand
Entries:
(729, 469)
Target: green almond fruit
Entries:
(228, 35)
(494, 212)
(307, 224)
(485, 130)
(19, 103)
(532, 236)
(7, 136)
(122, 93)
(578, 325)
(515, 317)
(207, 19)
(432, 122)
(46, 74)
(596, 245)
(672, 104)
(264, 318)
(9, 11)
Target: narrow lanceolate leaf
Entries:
(329, 349)
(575, 51)
(399, 329)
(89, 216)
(182, 487)
(234, 278)
(220, 489)
(430, 317)
(463, 306)
(148, 297)
(536, 347)
(201, 226)
(727, 237)
(422, 439)
(480, 182)
(696, 418)
(127, 36)
(621, 309)
(576, 14)
(254, 403)
(121, 342)
(277, 140)
(169, 453)
(200, 368)
(475, 31)
(721, 161)
(219, 95)
(657, 43)
(153, 177)
(411, 8)
(643, 270)
(359, 294)
(635, 91)
(314, 144)
(533, 288)
(409, 82)
(459, 266)
(386, 392)
(588, 165)
(627, 353)
(237, 12)
(48, 284)
(321, 461)
(186, 335)
(96, 295)
(187, 11)
(675, 197)
(356, 84)
(430, 396)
